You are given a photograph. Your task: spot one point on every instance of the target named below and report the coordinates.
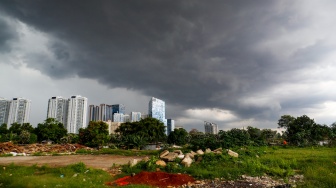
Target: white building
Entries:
(135, 116)
(118, 117)
(58, 109)
(77, 113)
(19, 110)
(157, 110)
(4, 110)
(210, 128)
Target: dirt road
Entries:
(94, 161)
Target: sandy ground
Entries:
(94, 161)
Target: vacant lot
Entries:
(94, 161)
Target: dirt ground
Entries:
(94, 161)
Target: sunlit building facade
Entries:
(19, 111)
(58, 109)
(210, 128)
(77, 113)
(157, 110)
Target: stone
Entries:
(218, 149)
(232, 153)
(133, 162)
(208, 150)
(164, 153)
(200, 152)
(170, 157)
(161, 163)
(179, 152)
(186, 161)
(181, 156)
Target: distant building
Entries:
(118, 108)
(144, 116)
(117, 117)
(19, 111)
(77, 111)
(135, 116)
(4, 110)
(112, 126)
(58, 109)
(94, 113)
(157, 110)
(170, 126)
(210, 128)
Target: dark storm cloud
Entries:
(7, 34)
(193, 53)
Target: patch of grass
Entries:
(77, 175)
(6, 155)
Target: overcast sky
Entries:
(236, 63)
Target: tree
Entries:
(95, 135)
(50, 129)
(303, 131)
(150, 128)
(178, 137)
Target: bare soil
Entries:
(94, 161)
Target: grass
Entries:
(318, 165)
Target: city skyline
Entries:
(234, 63)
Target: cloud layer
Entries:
(232, 61)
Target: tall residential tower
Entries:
(58, 109)
(77, 111)
(19, 110)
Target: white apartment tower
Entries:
(77, 111)
(210, 128)
(4, 110)
(19, 110)
(135, 116)
(58, 109)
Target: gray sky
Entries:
(236, 63)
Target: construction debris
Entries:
(10, 148)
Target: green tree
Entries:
(178, 137)
(50, 129)
(95, 135)
(150, 128)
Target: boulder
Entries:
(133, 162)
(164, 153)
(186, 161)
(232, 153)
(181, 156)
(179, 152)
(200, 152)
(218, 150)
(208, 150)
(161, 163)
(170, 157)
(189, 155)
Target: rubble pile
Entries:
(187, 159)
(9, 147)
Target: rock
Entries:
(232, 153)
(164, 153)
(181, 156)
(146, 159)
(179, 152)
(189, 155)
(161, 163)
(218, 150)
(208, 150)
(170, 157)
(133, 162)
(200, 152)
(186, 161)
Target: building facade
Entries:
(58, 109)
(157, 110)
(210, 128)
(4, 110)
(94, 113)
(77, 113)
(19, 111)
(135, 116)
(170, 126)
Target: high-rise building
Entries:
(135, 116)
(18, 111)
(58, 109)
(77, 112)
(170, 126)
(4, 110)
(118, 108)
(118, 117)
(157, 110)
(94, 113)
(109, 112)
(210, 128)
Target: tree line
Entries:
(299, 131)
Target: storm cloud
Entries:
(239, 59)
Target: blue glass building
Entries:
(157, 110)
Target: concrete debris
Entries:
(208, 150)
(171, 156)
(161, 163)
(186, 161)
(232, 153)
(23, 150)
(164, 153)
(133, 162)
(200, 152)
